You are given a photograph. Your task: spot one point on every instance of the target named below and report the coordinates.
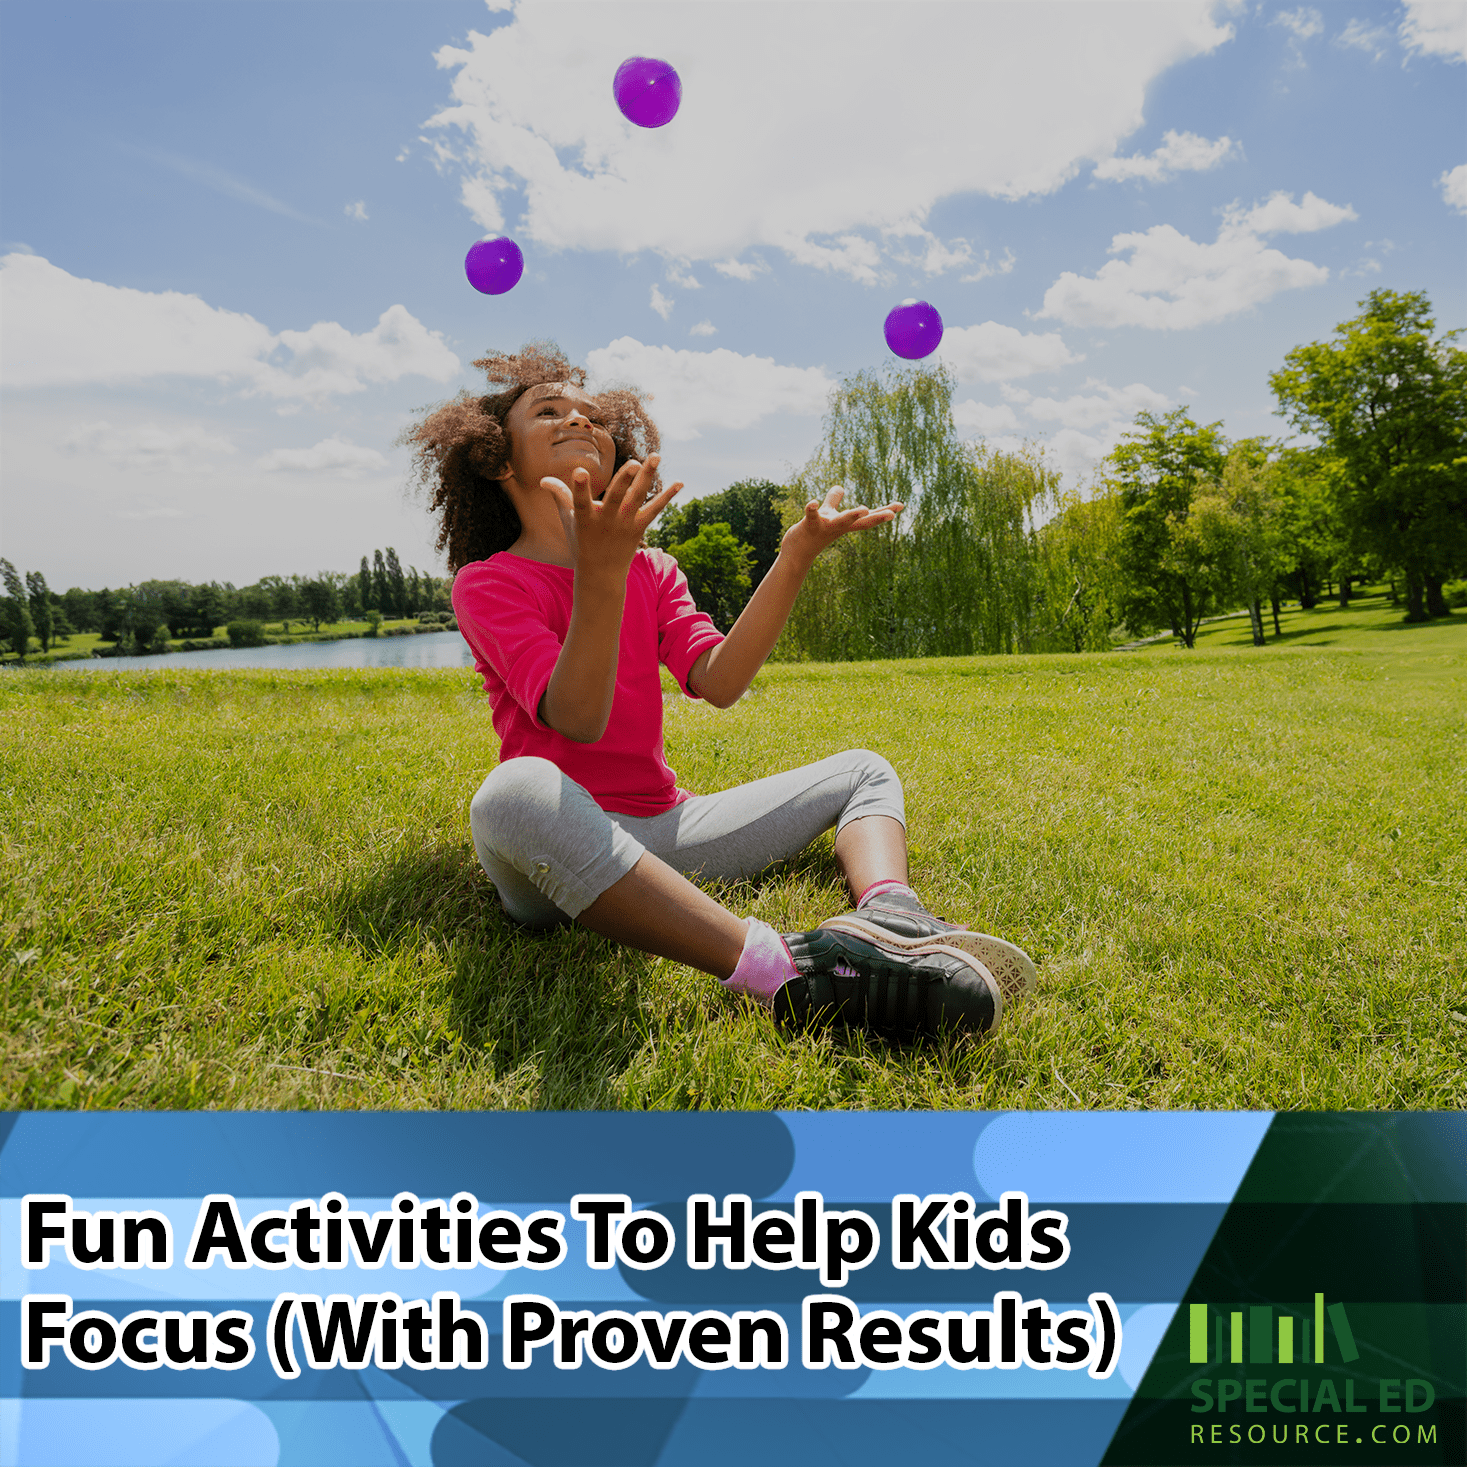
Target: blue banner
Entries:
(501, 1289)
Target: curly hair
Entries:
(462, 446)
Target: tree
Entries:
(15, 612)
(1168, 574)
(256, 603)
(750, 509)
(396, 584)
(1245, 523)
(1390, 403)
(209, 608)
(283, 598)
(81, 609)
(1309, 527)
(886, 437)
(365, 590)
(717, 567)
(39, 596)
(320, 598)
(381, 593)
(1078, 592)
(972, 551)
(351, 598)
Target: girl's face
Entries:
(554, 430)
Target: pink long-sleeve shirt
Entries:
(515, 613)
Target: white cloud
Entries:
(357, 210)
(1180, 152)
(682, 277)
(987, 268)
(694, 390)
(1436, 28)
(740, 269)
(1453, 185)
(1373, 40)
(1304, 22)
(993, 353)
(932, 255)
(1279, 214)
(330, 456)
(1077, 431)
(1100, 404)
(985, 419)
(661, 303)
(62, 330)
(703, 328)
(181, 448)
(1172, 282)
(791, 164)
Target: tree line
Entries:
(146, 616)
(992, 555)
(1180, 523)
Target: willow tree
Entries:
(952, 574)
(1079, 591)
(972, 576)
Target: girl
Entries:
(543, 493)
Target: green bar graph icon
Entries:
(1197, 1326)
(1260, 1335)
(1265, 1345)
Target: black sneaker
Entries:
(903, 922)
(843, 978)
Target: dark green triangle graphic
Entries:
(1330, 1307)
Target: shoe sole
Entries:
(1010, 967)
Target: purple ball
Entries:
(494, 265)
(913, 329)
(647, 90)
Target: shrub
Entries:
(160, 642)
(246, 633)
(374, 620)
(1455, 593)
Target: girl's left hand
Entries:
(825, 522)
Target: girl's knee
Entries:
(518, 797)
(515, 787)
(876, 788)
(873, 766)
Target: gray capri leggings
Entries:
(551, 850)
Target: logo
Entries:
(1302, 1408)
(1265, 1345)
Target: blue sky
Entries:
(233, 234)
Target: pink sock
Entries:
(884, 888)
(765, 965)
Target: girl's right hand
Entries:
(604, 533)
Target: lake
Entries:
(429, 649)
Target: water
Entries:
(430, 649)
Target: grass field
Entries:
(1243, 874)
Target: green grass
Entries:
(1241, 872)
